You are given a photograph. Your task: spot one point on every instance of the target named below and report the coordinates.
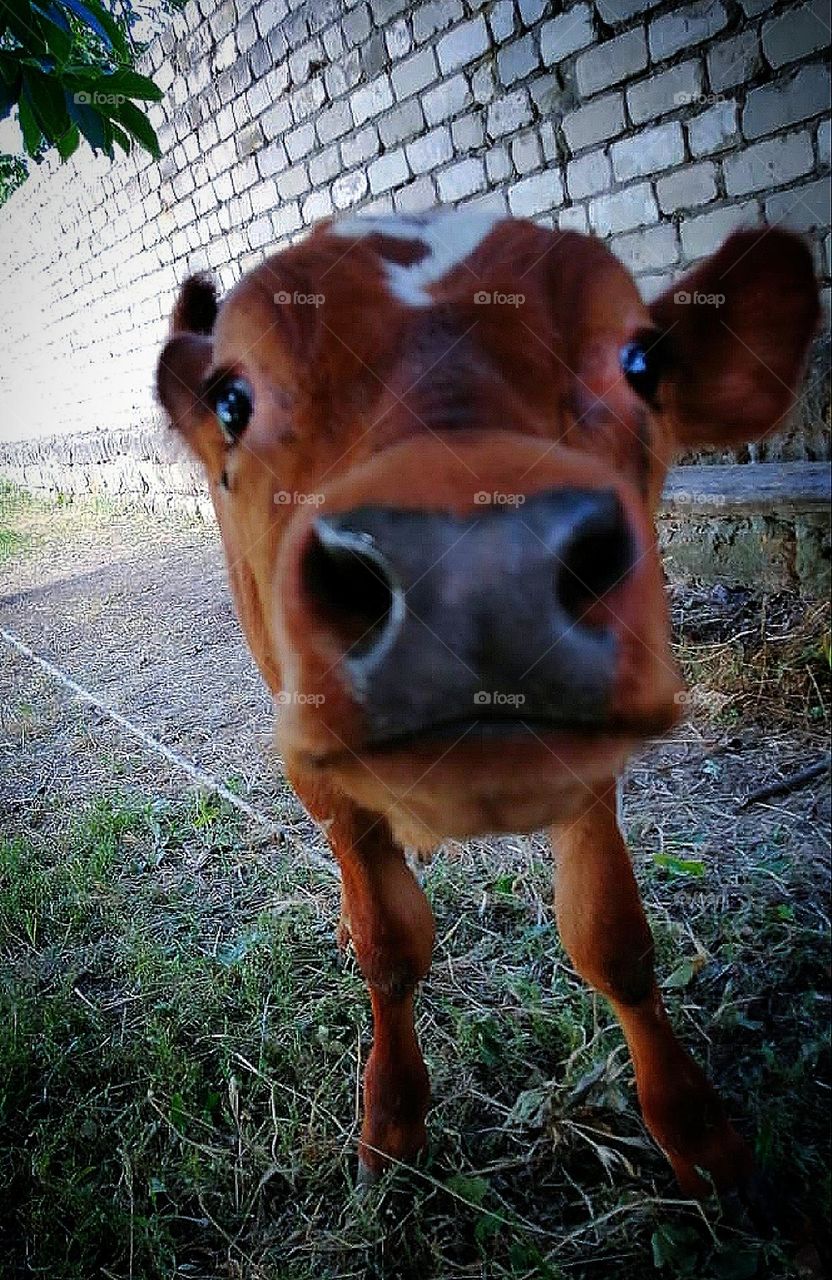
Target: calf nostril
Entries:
(597, 557)
(350, 586)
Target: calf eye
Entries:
(233, 406)
(641, 364)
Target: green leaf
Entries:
(132, 85)
(29, 127)
(98, 20)
(46, 98)
(679, 866)
(121, 138)
(474, 1190)
(56, 31)
(94, 126)
(140, 127)
(68, 142)
(681, 975)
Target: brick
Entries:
(681, 28)
(416, 197)
(349, 188)
(501, 20)
(824, 148)
(468, 132)
(566, 34)
(797, 33)
(272, 159)
(774, 106)
(374, 56)
(647, 250)
(430, 19)
(573, 219)
(464, 44)
(461, 179)
(609, 63)
(701, 236)
(588, 175)
(768, 164)
(343, 75)
(805, 208)
(286, 219)
(277, 119)
(317, 205)
(531, 10)
(665, 91)
(414, 74)
(498, 164)
(323, 165)
(525, 152)
(360, 146)
(648, 152)
(357, 25)
(623, 210)
(430, 151)
(615, 11)
(446, 100)
(388, 171)
(595, 122)
(371, 99)
(398, 38)
(308, 99)
(735, 61)
(714, 130)
(402, 122)
(334, 122)
(517, 60)
(299, 142)
(509, 113)
(294, 182)
(694, 185)
(537, 194)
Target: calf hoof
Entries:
(365, 1178)
(723, 1162)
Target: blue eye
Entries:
(642, 367)
(233, 406)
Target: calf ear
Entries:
(187, 356)
(738, 329)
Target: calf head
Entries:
(435, 446)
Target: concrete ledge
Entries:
(761, 524)
(765, 525)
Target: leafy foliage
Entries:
(68, 68)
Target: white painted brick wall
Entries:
(660, 127)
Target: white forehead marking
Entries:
(449, 235)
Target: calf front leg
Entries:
(604, 930)
(388, 918)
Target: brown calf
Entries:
(435, 447)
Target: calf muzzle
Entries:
(489, 619)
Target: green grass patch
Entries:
(180, 1042)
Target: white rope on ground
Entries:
(152, 744)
